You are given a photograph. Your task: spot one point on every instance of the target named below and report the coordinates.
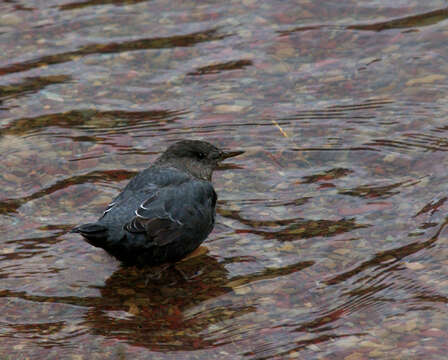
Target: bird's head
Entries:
(199, 158)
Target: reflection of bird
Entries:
(166, 211)
(161, 315)
(172, 314)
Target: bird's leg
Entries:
(151, 276)
(185, 276)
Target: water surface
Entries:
(331, 238)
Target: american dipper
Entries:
(165, 212)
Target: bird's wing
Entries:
(173, 212)
(149, 189)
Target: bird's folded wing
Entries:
(175, 211)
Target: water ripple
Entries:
(116, 47)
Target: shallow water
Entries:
(330, 240)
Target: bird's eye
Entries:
(201, 155)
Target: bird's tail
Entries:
(94, 233)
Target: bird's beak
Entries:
(225, 155)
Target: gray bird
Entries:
(165, 212)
